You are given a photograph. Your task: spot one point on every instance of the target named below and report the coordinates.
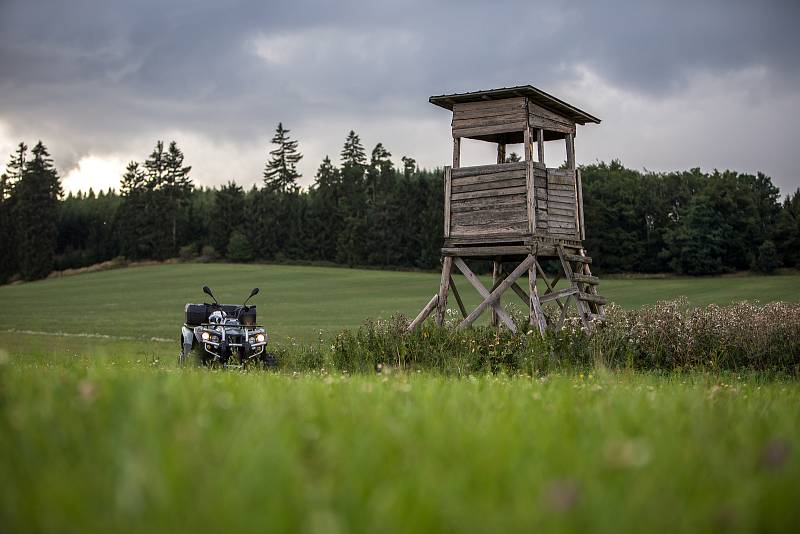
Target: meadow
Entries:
(101, 431)
(299, 302)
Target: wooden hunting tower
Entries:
(516, 212)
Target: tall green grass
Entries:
(113, 445)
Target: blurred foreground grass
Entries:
(127, 443)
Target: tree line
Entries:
(365, 211)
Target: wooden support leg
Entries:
(444, 289)
(536, 314)
(418, 320)
(497, 273)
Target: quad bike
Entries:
(224, 334)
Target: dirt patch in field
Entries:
(108, 265)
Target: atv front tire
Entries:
(269, 360)
(194, 356)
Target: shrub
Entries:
(187, 252)
(670, 335)
(300, 357)
(666, 336)
(208, 253)
(386, 344)
(239, 248)
(766, 260)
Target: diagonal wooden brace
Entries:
(493, 299)
(424, 313)
(458, 298)
(480, 288)
(550, 285)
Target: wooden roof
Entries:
(535, 95)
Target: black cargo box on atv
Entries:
(197, 314)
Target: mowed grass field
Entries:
(299, 302)
(101, 431)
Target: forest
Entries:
(365, 211)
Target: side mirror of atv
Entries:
(253, 293)
(208, 292)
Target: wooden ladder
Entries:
(576, 268)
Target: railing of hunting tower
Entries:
(511, 200)
(488, 200)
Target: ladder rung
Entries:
(575, 257)
(597, 299)
(553, 295)
(585, 279)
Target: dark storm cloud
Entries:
(91, 74)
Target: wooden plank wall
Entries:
(489, 200)
(562, 215)
(540, 185)
(490, 117)
(541, 118)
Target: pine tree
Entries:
(261, 225)
(280, 173)
(381, 159)
(167, 188)
(353, 202)
(131, 223)
(353, 154)
(156, 166)
(409, 165)
(284, 216)
(327, 176)
(177, 176)
(133, 181)
(177, 187)
(155, 239)
(228, 200)
(8, 181)
(325, 216)
(36, 214)
(380, 168)
(16, 167)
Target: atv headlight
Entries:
(205, 336)
(260, 338)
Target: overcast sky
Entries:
(677, 85)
